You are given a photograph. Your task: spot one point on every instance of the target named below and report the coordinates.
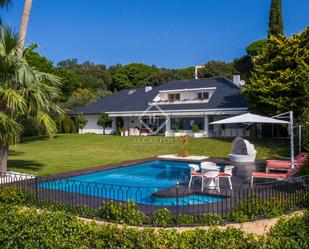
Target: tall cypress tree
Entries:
(275, 23)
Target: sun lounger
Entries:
(267, 175)
(284, 164)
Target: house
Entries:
(171, 109)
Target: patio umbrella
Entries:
(249, 118)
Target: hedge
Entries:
(26, 228)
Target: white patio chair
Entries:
(227, 174)
(209, 166)
(213, 177)
(194, 168)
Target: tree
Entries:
(243, 65)
(23, 29)
(4, 4)
(24, 92)
(275, 23)
(104, 121)
(89, 75)
(70, 81)
(217, 68)
(256, 47)
(81, 121)
(101, 93)
(79, 98)
(279, 81)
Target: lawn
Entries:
(69, 152)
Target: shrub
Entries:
(184, 219)
(304, 170)
(176, 127)
(11, 195)
(254, 208)
(289, 233)
(306, 221)
(195, 128)
(80, 121)
(122, 213)
(79, 210)
(162, 218)
(25, 228)
(68, 125)
(206, 219)
(209, 219)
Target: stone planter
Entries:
(198, 134)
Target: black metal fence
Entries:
(230, 205)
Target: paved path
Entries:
(260, 227)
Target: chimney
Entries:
(236, 79)
(195, 70)
(148, 88)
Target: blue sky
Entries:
(167, 33)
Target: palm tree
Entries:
(24, 26)
(4, 4)
(24, 92)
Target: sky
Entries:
(165, 33)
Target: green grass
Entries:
(70, 152)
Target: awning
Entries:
(249, 118)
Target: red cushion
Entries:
(279, 161)
(299, 159)
(270, 175)
(224, 174)
(196, 174)
(279, 166)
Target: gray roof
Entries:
(226, 95)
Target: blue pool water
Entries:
(136, 183)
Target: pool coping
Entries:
(101, 168)
(127, 164)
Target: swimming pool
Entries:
(135, 183)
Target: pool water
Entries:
(135, 183)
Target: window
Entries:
(186, 123)
(203, 95)
(174, 97)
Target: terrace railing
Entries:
(186, 205)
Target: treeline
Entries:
(86, 82)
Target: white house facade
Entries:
(171, 109)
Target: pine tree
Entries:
(275, 23)
(279, 80)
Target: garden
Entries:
(68, 152)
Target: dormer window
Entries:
(174, 97)
(203, 95)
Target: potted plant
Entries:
(175, 128)
(195, 129)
